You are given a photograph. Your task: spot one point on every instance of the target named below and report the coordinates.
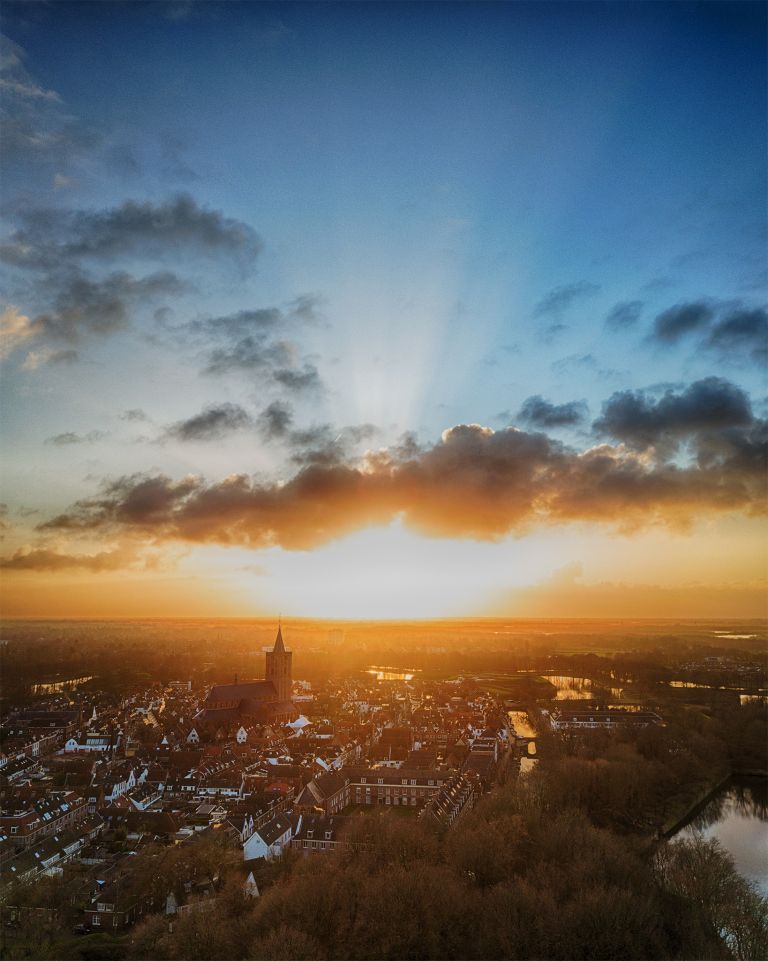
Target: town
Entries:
(107, 790)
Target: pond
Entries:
(737, 817)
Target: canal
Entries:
(737, 817)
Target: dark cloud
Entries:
(49, 237)
(624, 315)
(560, 298)
(69, 437)
(255, 353)
(243, 323)
(741, 331)
(135, 415)
(68, 356)
(214, 422)
(253, 341)
(641, 421)
(299, 380)
(474, 483)
(537, 412)
(275, 420)
(324, 445)
(673, 324)
(83, 307)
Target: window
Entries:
(96, 921)
(413, 781)
(380, 780)
(14, 830)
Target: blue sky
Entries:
(452, 208)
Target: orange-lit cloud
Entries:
(474, 483)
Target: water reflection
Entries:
(390, 674)
(521, 724)
(581, 688)
(737, 817)
(57, 687)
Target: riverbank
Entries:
(687, 809)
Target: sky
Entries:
(383, 310)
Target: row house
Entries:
(50, 854)
(451, 802)
(595, 719)
(34, 820)
(411, 787)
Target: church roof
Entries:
(279, 647)
(250, 691)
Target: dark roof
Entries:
(320, 826)
(250, 691)
(274, 829)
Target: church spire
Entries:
(279, 647)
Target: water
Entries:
(580, 688)
(737, 817)
(390, 674)
(521, 724)
(57, 687)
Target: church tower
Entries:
(279, 668)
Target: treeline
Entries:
(518, 879)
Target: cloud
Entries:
(325, 445)
(29, 559)
(83, 307)
(135, 415)
(673, 324)
(48, 357)
(212, 423)
(707, 405)
(15, 330)
(624, 315)
(561, 298)
(474, 483)
(298, 380)
(38, 132)
(537, 412)
(741, 330)
(69, 437)
(275, 420)
(49, 237)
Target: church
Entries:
(261, 702)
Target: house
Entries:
(329, 793)
(269, 840)
(316, 834)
